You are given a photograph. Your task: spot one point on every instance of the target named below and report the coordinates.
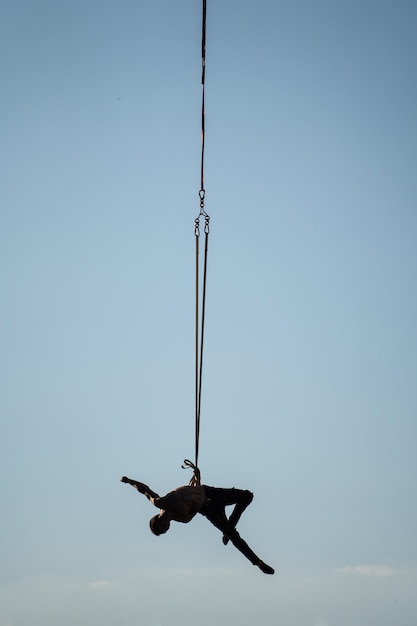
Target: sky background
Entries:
(309, 391)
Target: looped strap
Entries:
(196, 478)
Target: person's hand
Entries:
(124, 479)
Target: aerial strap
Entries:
(196, 478)
(200, 316)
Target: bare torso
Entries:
(183, 503)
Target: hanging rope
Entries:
(203, 82)
(200, 318)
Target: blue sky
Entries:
(309, 395)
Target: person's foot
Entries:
(266, 569)
(225, 540)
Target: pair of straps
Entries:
(200, 316)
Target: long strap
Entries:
(199, 330)
(199, 333)
(203, 83)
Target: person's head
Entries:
(159, 524)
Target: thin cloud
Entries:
(376, 571)
(101, 584)
(185, 572)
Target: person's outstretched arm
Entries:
(141, 487)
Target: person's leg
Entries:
(218, 518)
(243, 547)
(224, 497)
(215, 513)
(239, 497)
(243, 500)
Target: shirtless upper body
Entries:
(183, 503)
(180, 505)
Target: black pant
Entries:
(214, 510)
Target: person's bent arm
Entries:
(141, 488)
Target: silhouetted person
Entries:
(182, 504)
